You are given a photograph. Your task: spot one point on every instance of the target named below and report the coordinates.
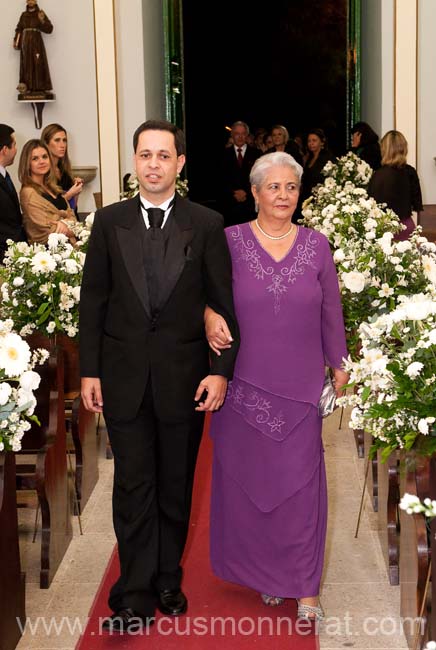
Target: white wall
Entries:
(140, 68)
(70, 52)
(427, 99)
(378, 64)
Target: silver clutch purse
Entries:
(327, 400)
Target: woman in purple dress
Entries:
(269, 499)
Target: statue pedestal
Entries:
(38, 102)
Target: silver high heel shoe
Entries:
(310, 612)
(272, 601)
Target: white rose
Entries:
(18, 282)
(5, 393)
(71, 267)
(354, 281)
(413, 369)
(423, 426)
(29, 380)
(339, 255)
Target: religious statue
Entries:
(35, 81)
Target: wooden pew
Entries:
(388, 498)
(12, 586)
(48, 473)
(372, 480)
(83, 428)
(80, 423)
(414, 550)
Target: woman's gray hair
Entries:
(276, 159)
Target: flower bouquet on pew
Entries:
(345, 213)
(18, 380)
(374, 273)
(40, 286)
(349, 168)
(413, 505)
(82, 232)
(395, 400)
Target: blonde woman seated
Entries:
(44, 208)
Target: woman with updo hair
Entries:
(45, 209)
(396, 183)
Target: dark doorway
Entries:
(284, 63)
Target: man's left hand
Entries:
(215, 387)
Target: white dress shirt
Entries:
(163, 206)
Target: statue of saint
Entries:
(35, 78)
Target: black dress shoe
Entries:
(172, 602)
(126, 621)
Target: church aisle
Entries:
(356, 595)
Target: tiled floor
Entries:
(356, 595)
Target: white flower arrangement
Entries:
(396, 377)
(349, 168)
(18, 380)
(133, 185)
(82, 232)
(344, 213)
(373, 274)
(41, 286)
(412, 504)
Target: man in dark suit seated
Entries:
(237, 203)
(11, 220)
(153, 265)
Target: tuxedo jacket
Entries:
(237, 177)
(11, 222)
(122, 341)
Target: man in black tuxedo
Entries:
(11, 220)
(237, 203)
(154, 263)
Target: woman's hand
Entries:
(74, 189)
(63, 229)
(217, 333)
(341, 378)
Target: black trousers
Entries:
(153, 477)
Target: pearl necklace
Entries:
(271, 236)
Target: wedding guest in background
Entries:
(282, 142)
(45, 209)
(259, 139)
(365, 144)
(55, 137)
(318, 156)
(11, 220)
(237, 203)
(396, 183)
(269, 497)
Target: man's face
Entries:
(239, 135)
(157, 165)
(9, 153)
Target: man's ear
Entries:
(180, 163)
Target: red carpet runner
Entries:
(220, 615)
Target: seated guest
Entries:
(11, 221)
(396, 183)
(55, 137)
(364, 143)
(318, 156)
(45, 209)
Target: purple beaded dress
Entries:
(269, 497)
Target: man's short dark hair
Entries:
(162, 125)
(6, 136)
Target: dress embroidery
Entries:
(256, 408)
(279, 281)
